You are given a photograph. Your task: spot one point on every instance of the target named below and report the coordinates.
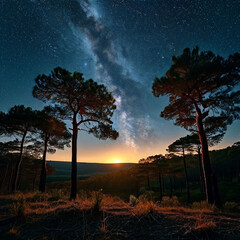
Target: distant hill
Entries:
(63, 169)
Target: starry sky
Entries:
(124, 44)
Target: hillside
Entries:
(63, 169)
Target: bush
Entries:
(133, 201)
(170, 202)
(204, 205)
(147, 208)
(231, 207)
(146, 196)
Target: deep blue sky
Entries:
(123, 43)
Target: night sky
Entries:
(124, 44)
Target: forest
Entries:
(191, 192)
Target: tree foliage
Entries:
(86, 103)
(203, 97)
(19, 121)
(201, 81)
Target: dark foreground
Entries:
(49, 219)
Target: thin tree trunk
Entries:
(186, 174)
(4, 178)
(73, 194)
(207, 171)
(10, 178)
(34, 180)
(148, 181)
(171, 186)
(163, 185)
(43, 176)
(16, 174)
(160, 184)
(201, 172)
(215, 189)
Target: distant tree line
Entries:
(167, 174)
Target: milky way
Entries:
(121, 43)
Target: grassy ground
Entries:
(98, 216)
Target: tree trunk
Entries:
(186, 174)
(34, 180)
(206, 165)
(9, 188)
(238, 171)
(160, 185)
(43, 176)
(163, 185)
(16, 174)
(171, 186)
(4, 178)
(74, 159)
(201, 172)
(148, 181)
(215, 190)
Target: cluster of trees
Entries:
(29, 175)
(88, 105)
(36, 132)
(204, 98)
(183, 169)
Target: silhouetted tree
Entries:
(181, 146)
(53, 134)
(18, 121)
(7, 150)
(157, 161)
(194, 144)
(87, 104)
(202, 95)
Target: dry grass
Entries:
(145, 208)
(33, 204)
(200, 221)
(201, 228)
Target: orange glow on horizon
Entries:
(116, 160)
(114, 153)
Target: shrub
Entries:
(170, 202)
(146, 196)
(203, 205)
(231, 207)
(145, 209)
(133, 201)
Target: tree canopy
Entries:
(71, 95)
(86, 103)
(204, 82)
(204, 97)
